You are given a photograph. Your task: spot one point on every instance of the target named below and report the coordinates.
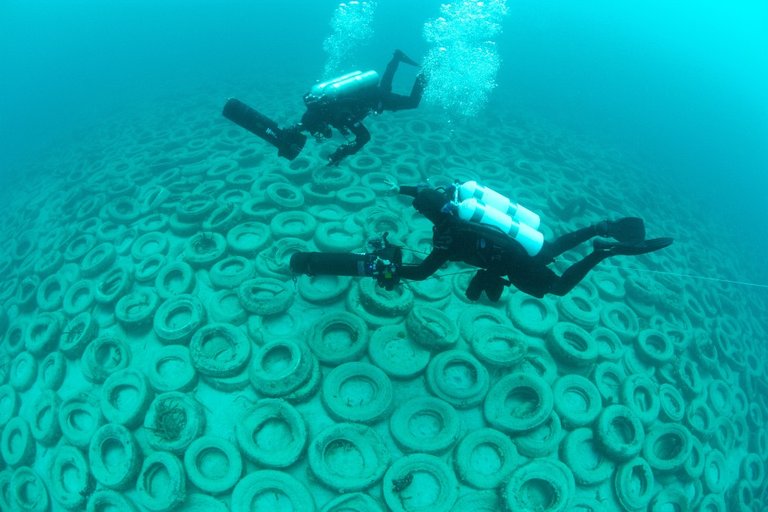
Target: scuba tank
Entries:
(344, 85)
(472, 211)
(490, 197)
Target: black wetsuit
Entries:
(498, 254)
(346, 114)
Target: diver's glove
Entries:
(341, 152)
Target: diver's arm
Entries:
(362, 136)
(426, 268)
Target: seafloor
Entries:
(157, 354)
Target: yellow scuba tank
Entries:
(344, 85)
(490, 197)
(472, 211)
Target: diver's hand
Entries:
(337, 156)
(391, 188)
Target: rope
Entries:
(703, 278)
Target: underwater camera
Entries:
(289, 143)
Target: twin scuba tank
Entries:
(341, 87)
(479, 204)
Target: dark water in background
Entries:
(683, 84)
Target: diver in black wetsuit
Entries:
(499, 255)
(502, 259)
(341, 103)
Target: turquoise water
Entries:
(115, 162)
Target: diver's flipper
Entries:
(289, 143)
(632, 249)
(628, 230)
(402, 57)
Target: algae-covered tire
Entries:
(79, 418)
(176, 278)
(113, 284)
(149, 244)
(279, 368)
(609, 345)
(9, 404)
(147, 269)
(485, 458)
(203, 503)
(352, 502)
(641, 394)
(108, 469)
(499, 346)
(667, 447)
(220, 472)
(388, 303)
(338, 338)
(295, 223)
(135, 310)
(620, 432)
(169, 490)
(357, 392)
(420, 482)
(608, 377)
(104, 356)
(621, 320)
(171, 369)
(219, 350)
(431, 328)
(284, 491)
(633, 484)
(23, 371)
(533, 316)
(43, 333)
(248, 238)
(230, 272)
(348, 457)
(671, 403)
(107, 499)
(45, 421)
(98, 259)
(458, 378)
(425, 424)
(518, 402)
(654, 346)
(715, 472)
(178, 317)
(77, 334)
(266, 296)
(542, 484)
(27, 491)
(322, 289)
(693, 467)
(582, 454)
(52, 371)
(542, 440)
(276, 447)
(579, 308)
(17, 445)
(478, 501)
(577, 401)
(125, 397)
(392, 350)
(70, 479)
(572, 346)
(712, 503)
(173, 421)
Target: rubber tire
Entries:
(577, 401)
(408, 478)
(45, 418)
(524, 386)
(260, 420)
(214, 481)
(171, 369)
(219, 350)
(28, 492)
(52, 371)
(125, 397)
(343, 405)
(614, 423)
(173, 492)
(97, 366)
(266, 296)
(279, 368)
(485, 458)
(633, 484)
(425, 424)
(431, 328)
(117, 475)
(581, 452)
(537, 474)
(392, 350)
(17, 444)
(458, 378)
(173, 406)
(194, 317)
(339, 351)
(69, 464)
(79, 404)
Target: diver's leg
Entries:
(576, 272)
(553, 249)
(391, 101)
(385, 84)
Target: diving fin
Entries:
(627, 230)
(632, 249)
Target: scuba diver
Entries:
(480, 227)
(341, 103)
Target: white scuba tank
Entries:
(472, 211)
(343, 85)
(490, 197)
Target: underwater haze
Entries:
(160, 351)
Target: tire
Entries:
(500, 347)
(168, 495)
(667, 446)
(348, 457)
(43, 333)
(458, 378)
(79, 297)
(45, 418)
(620, 319)
(338, 348)
(230, 272)
(9, 404)
(17, 444)
(171, 370)
(425, 424)
(272, 447)
(357, 392)
(108, 470)
(125, 398)
(424, 478)
(225, 307)
(248, 238)
(265, 296)
(431, 328)
(27, 491)
(135, 310)
(582, 454)
(532, 398)
(178, 317)
(572, 346)
(296, 223)
(279, 368)
(392, 350)
(620, 432)
(173, 421)
(485, 458)
(577, 401)
(113, 284)
(147, 269)
(98, 259)
(220, 480)
(23, 371)
(104, 356)
(322, 289)
(219, 350)
(70, 478)
(541, 441)
(77, 334)
(81, 406)
(285, 489)
(175, 279)
(543, 484)
(633, 484)
(356, 501)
